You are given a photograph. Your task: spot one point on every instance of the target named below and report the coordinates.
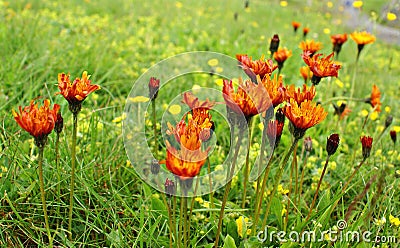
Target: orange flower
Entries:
(342, 110)
(281, 56)
(323, 67)
(304, 116)
(362, 38)
(184, 163)
(310, 46)
(39, 122)
(338, 40)
(187, 161)
(307, 94)
(193, 102)
(295, 25)
(76, 92)
(306, 73)
(249, 100)
(305, 31)
(253, 68)
(275, 89)
(375, 99)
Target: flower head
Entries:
(338, 40)
(321, 67)
(154, 85)
(393, 135)
(375, 99)
(310, 46)
(281, 56)
(275, 89)
(342, 110)
(250, 99)
(274, 44)
(306, 73)
(295, 25)
(305, 31)
(362, 38)
(332, 143)
(253, 68)
(300, 95)
(303, 116)
(366, 142)
(38, 122)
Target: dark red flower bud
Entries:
(59, 124)
(274, 44)
(366, 142)
(154, 85)
(308, 144)
(170, 188)
(393, 135)
(332, 143)
(388, 121)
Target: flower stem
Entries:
(261, 186)
(185, 222)
(228, 187)
(353, 81)
(302, 177)
(73, 162)
(58, 177)
(246, 167)
(211, 197)
(277, 179)
(352, 175)
(343, 98)
(153, 103)
(43, 195)
(317, 190)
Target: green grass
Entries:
(116, 42)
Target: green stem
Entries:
(278, 179)
(260, 191)
(352, 175)
(302, 178)
(58, 177)
(153, 102)
(317, 190)
(73, 162)
(343, 98)
(246, 167)
(185, 222)
(353, 81)
(211, 197)
(43, 195)
(228, 187)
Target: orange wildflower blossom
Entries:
(275, 89)
(253, 68)
(193, 102)
(321, 67)
(342, 110)
(281, 56)
(249, 100)
(295, 25)
(310, 46)
(300, 95)
(362, 39)
(306, 30)
(375, 99)
(186, 161)
(338, 40)
(75, 92)
(38, 122)
(306, 73)
(303, 116)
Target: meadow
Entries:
(115, 204)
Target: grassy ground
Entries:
(116, 41)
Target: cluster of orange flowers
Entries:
(40, 121)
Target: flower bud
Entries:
(155, 167)
(393, 135)
(366, 142)
(308, 144)
(59, 124)
(154, 85)
(389, 120)
(274, 44)
(170, 188)
(332, 143)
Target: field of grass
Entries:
(117, 42)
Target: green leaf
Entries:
(229, 242)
